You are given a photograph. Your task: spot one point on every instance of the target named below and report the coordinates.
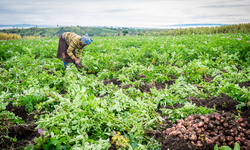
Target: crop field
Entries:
(188, 92)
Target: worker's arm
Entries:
(71, 55)
(79, 53)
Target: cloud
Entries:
(215, 16)
(117, 10)
(224, 6)
(188, 11)
(122, 12)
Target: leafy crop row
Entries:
(79, 111)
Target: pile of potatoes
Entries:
(214, 128)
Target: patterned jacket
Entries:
(74, 42)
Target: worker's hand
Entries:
(77, 61)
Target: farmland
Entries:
(107, 31)
(138, 90)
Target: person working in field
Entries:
(68, 43)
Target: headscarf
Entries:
(86, 39)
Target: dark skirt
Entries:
(62, 51)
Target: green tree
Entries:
(124, 32)
(139, 34)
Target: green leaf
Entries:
(236, 146)
(57, 131)
(216, 147)
(54, 141)
(30, 147)
(59, 147)
(63, 139)
(74, 127)
(64, 147)
(225, 148)
(3, 106)
(14, 139)
(85, 104)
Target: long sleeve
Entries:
(69, 51)
(79, 53)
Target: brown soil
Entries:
(209, 79)
(2, 66)
(63, 92)
(24, 134)
(127, 86)
(221, 103)
(145, 87)
(244, 84)
(50, 72)
(113, 147)
(176, 143)
(239, 69)
(20, 112)
(160, 86)
(114, 81)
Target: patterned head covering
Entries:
(86, 39)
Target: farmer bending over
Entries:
(68, 43)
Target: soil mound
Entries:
(20, 112)
(23, 134)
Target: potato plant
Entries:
(77, 110)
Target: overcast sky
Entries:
(125, 13)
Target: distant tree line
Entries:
(110, 31)
(57, 31)
(235, 28)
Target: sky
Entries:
(123, 13)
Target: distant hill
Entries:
(57, 31)
(192, 25)
(91, 31)
(23, 26)
(157, 27)
(179, 29)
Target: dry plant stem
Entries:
(150, 141)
